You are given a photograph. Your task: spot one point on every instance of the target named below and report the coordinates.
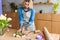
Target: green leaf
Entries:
(4, 23)
(56, 7)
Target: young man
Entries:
(26, 16)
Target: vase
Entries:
(1, 31)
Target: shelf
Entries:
(40, 3)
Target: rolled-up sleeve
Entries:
(20, 15)
(31, 20)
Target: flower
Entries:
(15, 10)
(17, 36)
(2, 17)
(39, 36)
(9, 19)
(4, 21)
(14, 34)
(10, 25)
(5, 14)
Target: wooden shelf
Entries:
(21, 3)
(40, 3)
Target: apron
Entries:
(26, 16)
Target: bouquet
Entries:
(4, 22)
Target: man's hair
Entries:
(28, 0)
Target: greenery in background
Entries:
(56, 6)
(13, 6)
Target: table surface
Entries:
(9, 36)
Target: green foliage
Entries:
(56, 6)
(13, 6)
(4, 24)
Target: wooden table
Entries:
(8, 36)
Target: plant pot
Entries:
(1, 31)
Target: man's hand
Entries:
(28, 24)
(21, 28)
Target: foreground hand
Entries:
(19, 30)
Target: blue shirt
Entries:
(21, 19)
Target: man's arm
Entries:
(31, 20)
(20, 15)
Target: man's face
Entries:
(26, 4)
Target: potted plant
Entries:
(14, 7)
(56, 6)
(4, 23)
